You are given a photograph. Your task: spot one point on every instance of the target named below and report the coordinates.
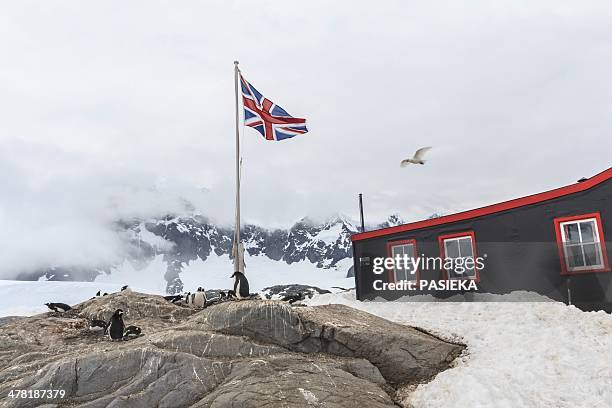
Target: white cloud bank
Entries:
(113, 109)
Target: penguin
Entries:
(173, 298)
(187, 298)
(96, 325)
(132, 331)
(222, 295)
(98, 294)
(116, 326)
(105, 294)
(58, 307)
(124, 288)
(241, 285)
(294, 297)
(198, 299)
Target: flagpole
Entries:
(238, 262)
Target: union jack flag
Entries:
(269, 119)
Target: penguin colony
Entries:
(115, 327)
(117, 330)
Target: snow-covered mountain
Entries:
(178, 242)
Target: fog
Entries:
(113, 110)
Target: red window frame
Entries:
(602, 243)
(442, 238)
(390, 245)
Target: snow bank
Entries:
(520, 354)
(25, 298)
(215, 272)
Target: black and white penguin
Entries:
(96, 325)
(105, 294)
(98, 294)
(58, 307)
(124, 288)
(173, 298)
(292, 298)
(241, 285)
(198, 298)
(222, 295)
(132, 331)
(116, 326)
(187, 298)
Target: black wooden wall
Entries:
(521, 250)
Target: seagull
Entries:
(418, 157)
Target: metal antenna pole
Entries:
(361, 212)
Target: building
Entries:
(552, 243)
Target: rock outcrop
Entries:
(292, 290)
(233, 354)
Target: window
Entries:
(461, 249)
(401, 248)
(581, 244)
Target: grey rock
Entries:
(402, 354)
(9, 319)
(291, 381)
(280, 291)
(234, 354)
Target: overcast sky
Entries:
(115, 109)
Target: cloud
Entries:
(114, 109)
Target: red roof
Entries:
(491, 209)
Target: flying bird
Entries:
(418, 157)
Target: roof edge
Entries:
(490, 209)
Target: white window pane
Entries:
(451, 248)
(402, 273)
(587, 229)
(571, 233)
(460, 248)
(411, 270)
(396, 250)
(592, 254)
(465, 247)
(469, 273)
(574, 256)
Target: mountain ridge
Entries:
(184, 239)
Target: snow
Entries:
(148, 278)
(215, 272)
(519, 354)
(25, 298)
(150, 238)
(309, 397)
(261, 271)
(538, 353)
(330, 235)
